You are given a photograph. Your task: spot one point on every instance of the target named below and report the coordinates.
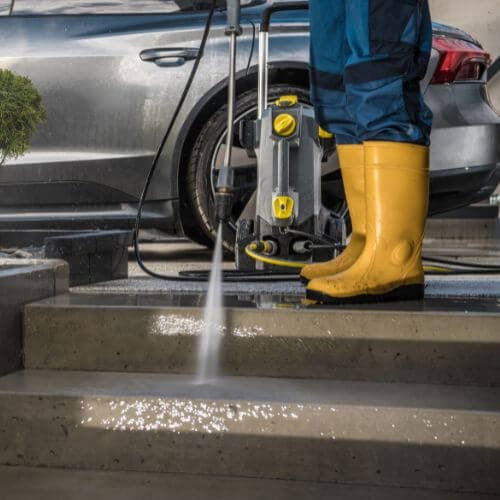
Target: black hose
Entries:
(156, 159)
(247, 277)
(463, 272)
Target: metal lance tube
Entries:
(263, 80)
(225, 179)
(231, 90)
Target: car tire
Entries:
(198, 183)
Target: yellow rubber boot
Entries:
(351, 159)
(390, 265)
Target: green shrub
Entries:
(21, 111)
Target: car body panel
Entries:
(107, 108)
(103, 7)
(465, 128)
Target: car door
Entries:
(110, 74)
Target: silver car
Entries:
(111, 73)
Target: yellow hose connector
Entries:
(437, 269)
(251, 251)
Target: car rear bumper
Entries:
(464, 135)
(459, 187)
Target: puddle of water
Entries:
(213, 320)
(271, 301)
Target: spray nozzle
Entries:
(224, 194)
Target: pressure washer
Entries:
(285, 225)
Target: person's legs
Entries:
(329, 53)
(390, 43)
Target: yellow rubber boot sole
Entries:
(390, 265)
(351, 159)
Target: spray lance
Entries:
(225, 180)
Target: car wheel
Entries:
(207, 158)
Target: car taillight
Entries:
(459, 61)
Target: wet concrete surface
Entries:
(441, 437)
(487, 286)
(25, 483)
(252, 389)
(402, 394)
(171, 298)
(271, 331)
(405, 342)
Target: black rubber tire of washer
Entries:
(197, 179)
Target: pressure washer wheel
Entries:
(207, 157)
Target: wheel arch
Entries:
(295, 73)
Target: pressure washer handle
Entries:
(279, 7)
(265, 22)
(233, 17)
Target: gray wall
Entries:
(480, 18)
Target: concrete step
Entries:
(444, 342)
(26, 483)
(23, 281)
(397, 435)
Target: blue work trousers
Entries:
(367, 60)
